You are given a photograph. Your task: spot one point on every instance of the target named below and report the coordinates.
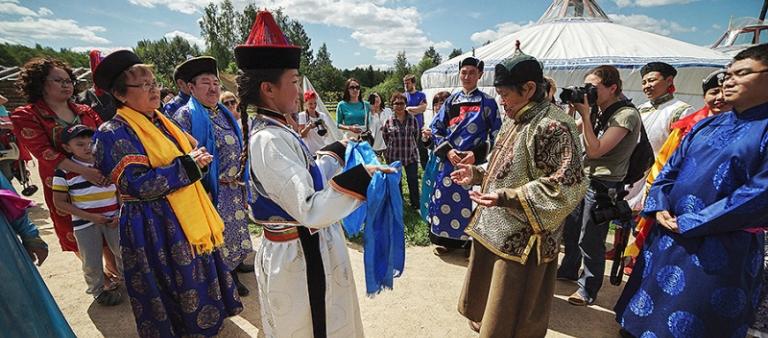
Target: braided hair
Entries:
(249, 91)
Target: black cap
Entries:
(187, 70)
(75, 131)
(112, 66)
(665, 69)
(713, 80)
(519, 68)
(472, 61)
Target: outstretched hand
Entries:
(490, 199)
(463, 174)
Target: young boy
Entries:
(94, 212)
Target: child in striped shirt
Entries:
(94, 211)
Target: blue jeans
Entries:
(584, 241)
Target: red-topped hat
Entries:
(267, 47)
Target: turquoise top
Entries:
(349, 114)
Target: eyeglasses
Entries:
(63, 82)
(398, 104)
(229, 102)
(741, 73)
(354, 87)
(146, 86)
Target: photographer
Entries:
(610, 130)
(314, 125)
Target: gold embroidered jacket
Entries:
(536, 169)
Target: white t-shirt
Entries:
(313, 140)
(377, 122)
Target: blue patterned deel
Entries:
(671, 279)
(684, 324)
(642, 304)
(729, 302)
(704, 280)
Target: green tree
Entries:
(455, 52)
(165, 54)
(17, 55)
(218, 30)
(401, 66)
(326, 78)
(430, 59)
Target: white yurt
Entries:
(574, 36)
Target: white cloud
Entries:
(29, 30)
(386, 30)
(44, 12)
(649, 24)
(502, 29)
(183, 6)
(716, 26)
(15, 9)
(195, 40)
(650, 3)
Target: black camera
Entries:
(610, 205)
(575, 94)
(320, 125)
(618, 211)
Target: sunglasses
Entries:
(229, 102)
(398, 104)
(354, 87)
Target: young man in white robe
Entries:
(306, 288)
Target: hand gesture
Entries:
(114, 222)
(668, 221)
(583, 108)
(355, 129)
(37, 254)
(426, 133)
(201, 156)
(490, 199)
(463, 174)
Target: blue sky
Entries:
(356, 32)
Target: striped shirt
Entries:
(86, 196)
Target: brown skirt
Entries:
(510, 299)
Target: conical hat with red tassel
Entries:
(267, 47)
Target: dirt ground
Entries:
(422, 303)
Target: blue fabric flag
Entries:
(358, 153)
(382, 214)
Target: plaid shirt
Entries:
(400, 138)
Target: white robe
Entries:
(657, 122)
(281, 167)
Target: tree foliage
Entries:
(165, 54)
(218, 30)
(327, 79)
(18, 55)
(455, 52)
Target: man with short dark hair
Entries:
(462, 132)
(658, 114)
(216, 129)
(416, 105)
(700, 272)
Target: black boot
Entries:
(241, 289)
